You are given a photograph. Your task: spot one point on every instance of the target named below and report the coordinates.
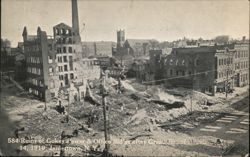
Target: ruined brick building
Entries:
(204, 68)
(40, 64)
(50, 61)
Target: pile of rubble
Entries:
(134, 110)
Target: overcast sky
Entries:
(164, 20)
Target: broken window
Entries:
(171, 72)
(65, 68)
(70, 41)
(183, 62)
(71, 76)
(197, 62)
(65, 59)
(50, 69)
(183, 73)
(190, 73)
(171, 61)
(177, 73)
(57, 31)
(64, 41)
(63, 31)
(64, 49)
(70, 49)
(50, 59)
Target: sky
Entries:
(163, 20)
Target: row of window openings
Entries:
(64, 50)
(179, 72)
(225, 61)
(35, 92)
(32, 48)
(65, 68)
(59, 31)
(65, 41)
(224, 73)
(61, 59)
(241, 54)
(183, 62)
(62, 77)
(34, 70)
(90, 62)
(33, 60)
(36, 82)
(241, 65)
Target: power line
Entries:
(183, 76)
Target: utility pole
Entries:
(45, 106)
(45, 103)
(67, 116)
(226, 88)
(62, 146)
(104, 94)
(192, 94)
(228, 60)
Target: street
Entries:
(231, 126)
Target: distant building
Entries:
(7, 57)
(140, 70)
(88, 69)
(97, 48)
(129, 49)
(241, 64)
(203, 68)
(224, 66)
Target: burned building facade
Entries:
(50, 60)
(40, 60)
(241, 64)
(205, 68)
(190, 68)
(65, 53)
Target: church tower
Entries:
(120, 38)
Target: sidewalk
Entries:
(238, 92)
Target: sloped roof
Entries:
(133, 42)
(63, 25)
(98, 47)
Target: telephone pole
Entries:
(227, 84)
(104, 94)
(228, 61)
(192, 94)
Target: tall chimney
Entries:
(75, 22)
